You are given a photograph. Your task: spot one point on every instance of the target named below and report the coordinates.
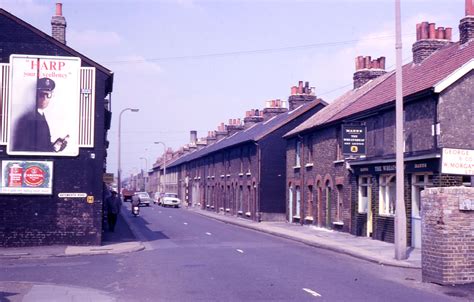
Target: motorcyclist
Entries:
(136, 203)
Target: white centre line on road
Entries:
(209, 234)
(311, 292)
(240, 251)
(185, 223)
(170, 216)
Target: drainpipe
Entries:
(302, 182)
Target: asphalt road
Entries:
(189, 257)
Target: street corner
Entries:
(116, 248)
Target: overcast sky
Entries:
(190, 64)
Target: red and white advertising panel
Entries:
(27, 177)
(44, 105)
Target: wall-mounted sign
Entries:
(72, 195)
(26, 177)
(457, 161)
(466, 205)
(44, 105)
(353, 139)
(108, 178)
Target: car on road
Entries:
(144, 198)
(170, 199)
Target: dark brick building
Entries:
(357, 194)
(72, 212)
(243, 172)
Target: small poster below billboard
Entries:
(27, 177)
(353, 139)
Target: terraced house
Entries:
(356, 194)
(243, 172)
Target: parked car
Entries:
(144, 198)
(170, 199)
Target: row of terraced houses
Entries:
(286, 162)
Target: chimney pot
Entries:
(59, 9)
(432, 31)
(425, 27)
(418, 31)
(440, 33)
(294, 90)
(448, 33)
(367, 62)
(469, 7)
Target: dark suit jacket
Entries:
(32, 134)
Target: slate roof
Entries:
(381, 91)
(252, 134)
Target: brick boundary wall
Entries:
(447, 236)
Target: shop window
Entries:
(387, 194)
(467, 181)
(364, 183)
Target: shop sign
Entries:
(353, 139)
(108, 178)
(26, 177)
(72, 195)
(457, 161)
(409, 167)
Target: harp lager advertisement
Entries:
(26, 177)
(44, 106)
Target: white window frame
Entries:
(387, 194)
(415, 194)
(363, 201)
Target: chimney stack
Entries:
(429, 39)
(193, 137)
(275, 107)
(252, 117)
(58, 24)
(235, 125)
(466, 25)
(300, 95)
(211, 137)
(221, 132)
(367, 69)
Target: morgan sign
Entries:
(457, 161)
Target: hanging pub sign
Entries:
(26, 177)
(457, 161)
(353, 139)
(44, 105)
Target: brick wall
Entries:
(447, 236)
(30, 220)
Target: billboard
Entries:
(353, 139)
(27, 177)
(44, 105)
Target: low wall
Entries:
(447, 218)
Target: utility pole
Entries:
(400, 214)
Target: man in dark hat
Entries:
(32, 130)
(112, 204)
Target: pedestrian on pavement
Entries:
(113, 205)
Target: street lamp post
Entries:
(164, 166)
(146, 171)
(119, 169)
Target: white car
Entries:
(170, 199)
(144, 198)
